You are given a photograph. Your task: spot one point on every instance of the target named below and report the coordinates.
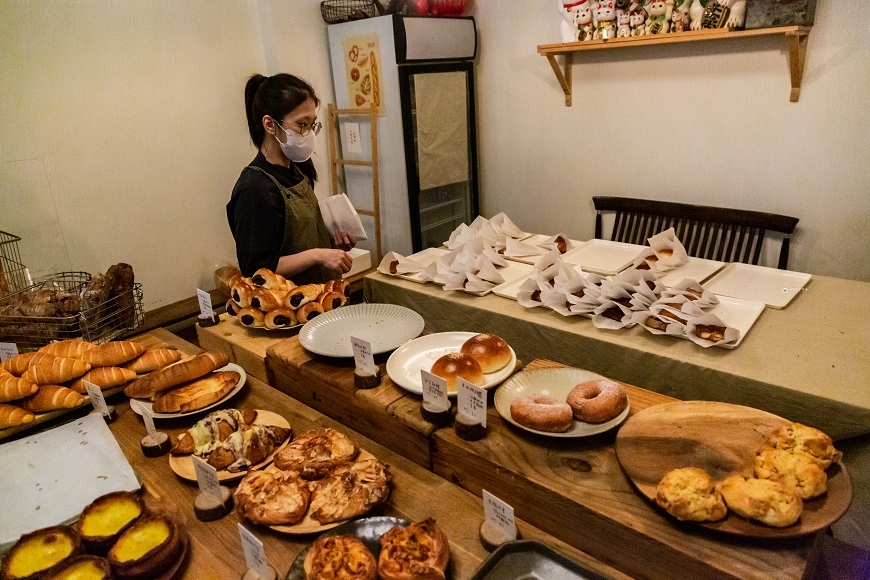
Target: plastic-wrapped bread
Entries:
(12, 416)
(112, 354)
(13, 388)
(72, 348)
(17, 365)
(52, 397)
(175, 374)
(103, 377)
(153, 359)
(55, 370)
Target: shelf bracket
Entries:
(564, 77)
(797, 54)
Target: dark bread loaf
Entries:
(122, 309)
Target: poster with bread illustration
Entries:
(362, 55)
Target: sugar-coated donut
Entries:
(597, 401)
(542, 413)
(491, 351)
(456, 364)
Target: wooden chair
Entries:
(726, 235)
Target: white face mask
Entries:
(297, 148)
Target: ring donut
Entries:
(542, 413)
(597, 401)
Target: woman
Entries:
(273, 212)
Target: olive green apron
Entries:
(304, 228)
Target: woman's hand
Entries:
(344, 241)
(335, 259)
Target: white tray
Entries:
(698, 269)
(510, 272)
(385, 326)
(776, 288)
(405, 364)
(537, 240)
(737, 313)
(510, 288)
(138, 404)
(424, 258)
(603, 256)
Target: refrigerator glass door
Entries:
(440, 149)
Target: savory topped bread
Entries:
(689, 493)
(272, 497)
(316, 452)
(418, 552)
(339, 558)
(350, 490)
(802, 439)
(765, 500)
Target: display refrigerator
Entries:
(418, 71)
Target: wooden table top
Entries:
(215, 546)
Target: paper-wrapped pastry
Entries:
(460, 236)
(503, 224)
(529, 294)
(613, 315)
(692, 291)
(560, 242)
(709, 330)
(394, 264)
(515, 249)
(669, 252)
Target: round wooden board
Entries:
(309, 525)
(183, 467)
(722, 439)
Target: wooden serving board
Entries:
(722, 439)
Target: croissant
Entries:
(12, 387)
(55, 370)
(12, 416)
(72, 348)
(51, 397)
(259, 442)
(17, 365)
(308, 311)
(103, 377)
(176, 374)
(112, 354)
(153, 359)
(215, 428)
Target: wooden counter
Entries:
(416, 493)
(572, 488)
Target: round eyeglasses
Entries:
(306, 128)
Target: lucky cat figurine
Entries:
(736, 17)
(637, 21)
(623, 24)
(576, 20)
(659, 19)
(678, 21)
(605, 20)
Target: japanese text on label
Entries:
(97, 399)
(500, 516)
(205, 307)
(362, 356)
(471, 401)
(207, 478)
(255, 555)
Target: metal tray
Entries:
(531, 560)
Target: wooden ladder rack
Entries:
(337, 162)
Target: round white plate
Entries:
(405, 364)
(555, 383)
(138, 404)
(385, 326)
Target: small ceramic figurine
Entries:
(605, 20)
(696, 13)
(637, 21)
(576, 20)
(737, 17)
(681, 6)
(623, 24)
(659, 19)
(678, 22)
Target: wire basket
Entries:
(13, 276)
(30, 330)
(336, 11)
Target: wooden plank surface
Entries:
(245, 346)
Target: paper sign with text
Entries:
(205, 307)
(362, 356)
(97, 399)
(8, 350)
(471, 401)
(500, 516)
(207, 478)
(255, 555)
(434, 390)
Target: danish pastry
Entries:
(689, 493)
(770, 502)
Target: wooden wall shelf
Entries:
(797, 37)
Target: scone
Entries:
(416, 552)
(765, 500)
(689, 493)
(339, 558)
(316, 452)
(797, 471)
(802, 439)
(349, 490)
(272, 497)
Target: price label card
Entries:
(434, 390)
(500, 516)
(148, 418)
(207, 478)
(8, 350)
(362, 356)
(97, 399)
(205, 307)
(255, 555)
(471, 401)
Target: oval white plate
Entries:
(555, 383)
(138, 404)
(385, 326)
(405, 364)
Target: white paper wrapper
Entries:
(648, 290)
(439, 272)
(680, 306)
(669, 250)
(526, 290)
(460, 236)
(515, 249)
(690, 289)
(568, 278)
(476, 284)
(557, 300)
(672, 329)
(547, 266)
(485, 270)
(732, 335)
(496, 259)
(394, 264)
(600, 320)
(553, 243)
(488, 234)
(478, 223)
(502, 223)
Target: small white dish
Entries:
(137, 405)
(774, 287)
(405, 364)
(697, 269)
